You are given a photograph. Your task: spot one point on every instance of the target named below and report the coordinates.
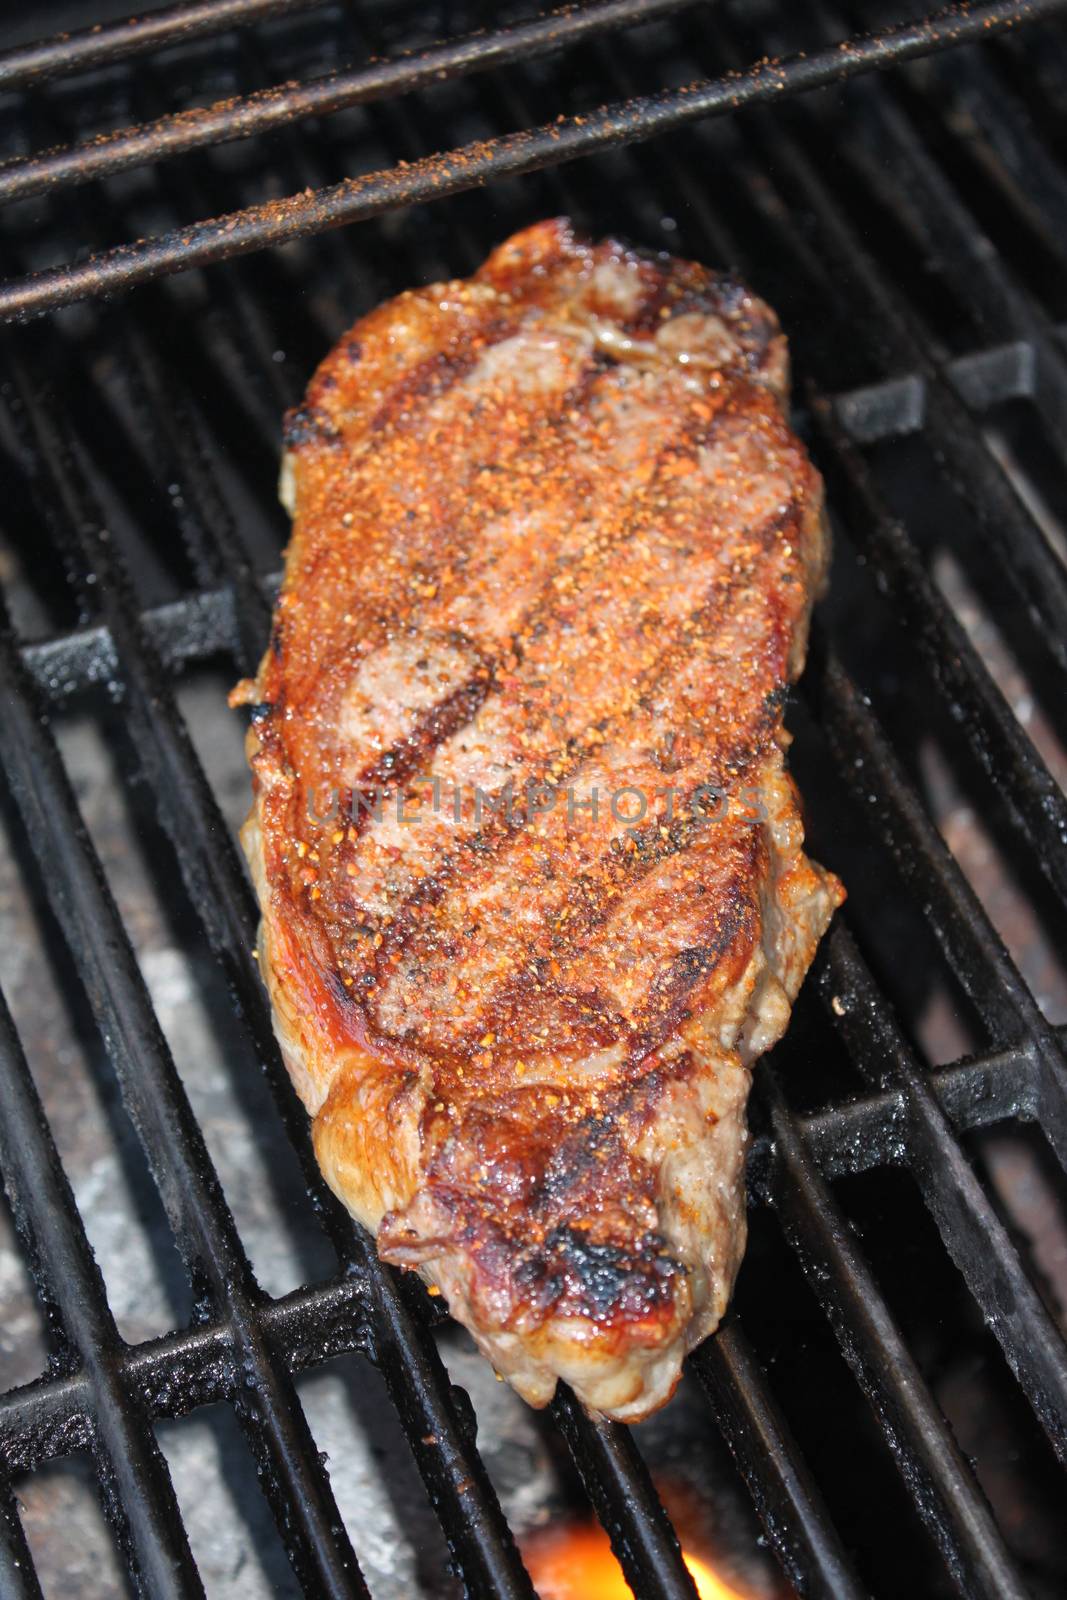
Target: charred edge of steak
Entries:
(308, 425)
(555, 1213)
(570, 1272)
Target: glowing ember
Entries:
(578, 1564)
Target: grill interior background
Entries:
(912, 232)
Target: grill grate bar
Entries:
(1028, 563)
(999, 130)
(418, 1401)
(440, 1427)
(137, 1491)
(179, 1371)
(185, 631)
(413, 1370)
(83, 905)
(441, 1442)
(610, 1465)
(900, 169)
(435, 177)
(194, 1366)
(1035, 801)
(268, 1410)
(1015, 541)
(779, 1480)
(972, 1094)
(178, 440)
(189, 813)
(1037, 804)
(1015, 1109)
(617, 1482)
(972, 1232)
(791, 1516)
(925, 1452)
(971, 944)
(246, 320)
(906, 1411)
(243, 116)
(202, 624)
(18, 1577)
(117, 41)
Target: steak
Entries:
(533, 890)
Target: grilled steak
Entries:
(530, 865)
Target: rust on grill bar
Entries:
(99, 45)
(274, 107)
(439, 176)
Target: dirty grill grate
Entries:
(946, 143)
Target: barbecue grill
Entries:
(911, 229)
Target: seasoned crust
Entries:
(676, 1199)
(534, 544)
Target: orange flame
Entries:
(578, 1564)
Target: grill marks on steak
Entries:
(550, 527)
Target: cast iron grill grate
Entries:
(812, 202)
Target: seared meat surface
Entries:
(531, 871)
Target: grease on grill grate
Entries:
(886, 1409)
